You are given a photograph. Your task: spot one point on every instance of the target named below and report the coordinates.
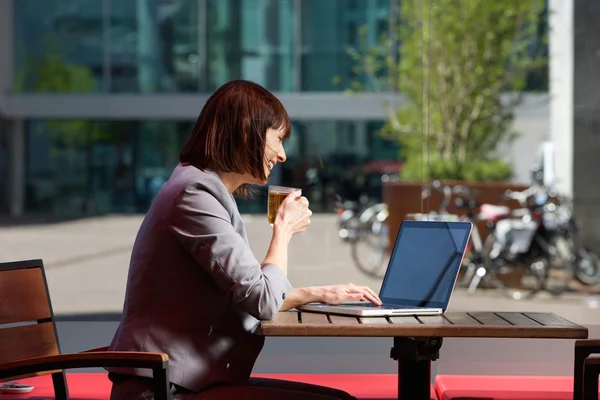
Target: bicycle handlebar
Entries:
(448, 191)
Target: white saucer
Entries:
(15, 388)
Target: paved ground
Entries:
(87, 262)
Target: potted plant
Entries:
(457, 71)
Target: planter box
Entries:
(404, 198)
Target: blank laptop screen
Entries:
(424, 263)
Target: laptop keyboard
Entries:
(384, 306)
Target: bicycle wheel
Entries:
(516, 280)
(370, 251)
(468, 267)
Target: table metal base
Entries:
(414, 356)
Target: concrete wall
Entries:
(532, 131)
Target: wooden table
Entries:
(417, 340)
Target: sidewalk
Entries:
(87, 261)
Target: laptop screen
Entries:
(424, 263)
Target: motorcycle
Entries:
(531, 250)
(585, 264)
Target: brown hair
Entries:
(229, 135)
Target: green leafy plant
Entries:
(51, 73)
(460, 67)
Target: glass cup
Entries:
(276, 196)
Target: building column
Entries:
(16, 168)
(575, 107)
(561, 91)
(7, 56)
(586, 118)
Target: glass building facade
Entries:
(159, 46)
(85, 167)
(101, 94)
(108, 46)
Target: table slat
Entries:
(374, 321)
(517, 319)
(309, 318)
(458, 318)
(433, 320)
(549, 319)
(285, 318)
(408, 320)
(343, 320)
(488, 318)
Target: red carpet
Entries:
(96, 386)
(451, 387)
(81, 387)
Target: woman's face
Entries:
(274, 153)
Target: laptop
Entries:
(421, 273)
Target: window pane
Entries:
(4, 167)
(154, 46)
(328, 29)
(58, 46)
(251, 39)
(78, 168)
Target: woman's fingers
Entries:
(293, 195)
(303, 200)
(367, 294)
(378, 300)
(373, 299)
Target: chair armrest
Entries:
(588, 343)
(85, 359)
(583, 349)
(157, 362)
(591, 372)
(593, 361)
(105, 348)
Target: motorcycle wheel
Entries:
(587, 267)
(559, 272)
(515, 280)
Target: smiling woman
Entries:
(195, 289)
(220, 139)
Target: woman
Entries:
(195, 290)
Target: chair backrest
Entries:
(27, 327)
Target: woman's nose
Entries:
(281, 155)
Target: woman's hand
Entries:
(336, 294)
(293, 214)
(292, 217)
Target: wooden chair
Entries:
(29, 343)
(586, 369)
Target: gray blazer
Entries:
(195, 290)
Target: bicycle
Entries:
(477, 266)
(472, 272)
(371, 233)
(363, 225)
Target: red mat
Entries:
(96, 386)
(451, 387)
(81, 387)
